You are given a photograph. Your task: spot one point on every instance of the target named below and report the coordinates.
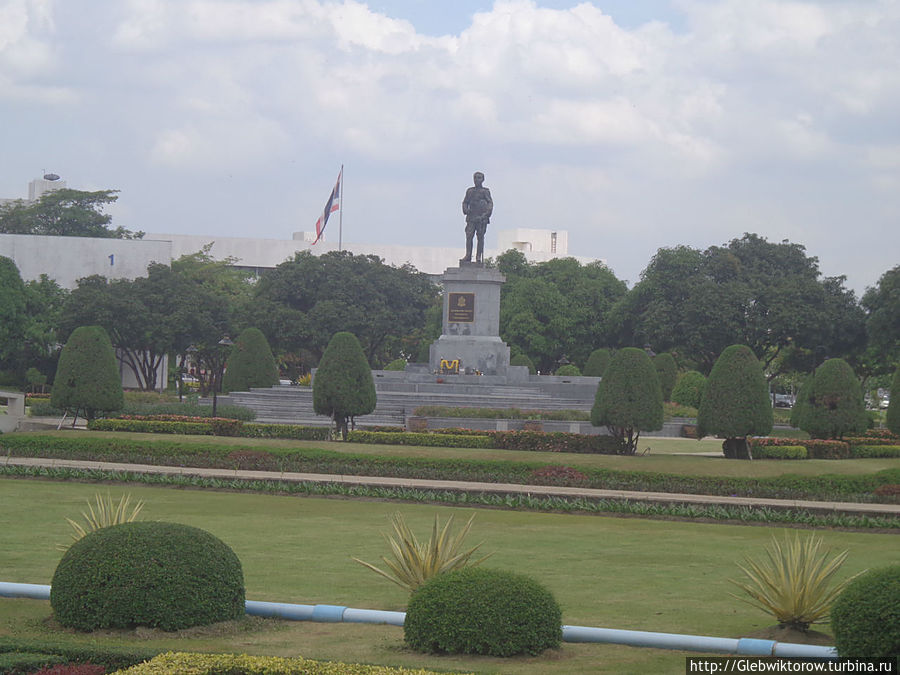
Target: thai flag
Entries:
(333, 204)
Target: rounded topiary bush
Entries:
(569, 370)
(865, 618)
(689, 389)
(160, 575)
(523, 360)
(482, 611)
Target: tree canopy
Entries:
(555, 309)
(768, 296)
(304, 301)
(882, 307)
(13, 316)
(64, 213)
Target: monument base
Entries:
(484, 354)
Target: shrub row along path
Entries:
(465, 486)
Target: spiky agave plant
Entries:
(107, 513)
(415, 562)
(793, 582)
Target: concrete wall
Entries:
(67, 259)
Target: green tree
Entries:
(44, 302)
(768, 296)
(65, 213)
(833, 402)
(555, 308)
(304, 301)
(597, 362)
(882, 307)
(87, 378)
(13, 316)
(736, 402)
(629, 398)
(343, 387)
(892, 420)
(689, 389)
(250, 363)
(569, 370)
(667, 370)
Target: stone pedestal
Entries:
(471, 322)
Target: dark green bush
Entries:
(832, 403)
(421, 439)
(865, 618)
(112, 658)
(160, 575)
(568, 370)
(667, 370)
(250, 363)
(597, 363)
(22, 663)
(689, 388)
(482, 611)
(735, 403)
(523, 360)
(87, 377)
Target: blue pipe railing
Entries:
(633, 638)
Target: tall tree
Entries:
(882, 307)
(44, 301)
(304, 301)
(65, 213)
(555, 309)
(13, 316)
(768, 296)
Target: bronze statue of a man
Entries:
(477, 207)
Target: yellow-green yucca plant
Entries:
(107, 513)
(794, 581)
(415, 562)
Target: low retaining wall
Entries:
(15, 411)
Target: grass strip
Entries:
(736, 514)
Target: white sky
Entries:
(633, 125)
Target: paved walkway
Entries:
(464, 486)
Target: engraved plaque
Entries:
(462, 308)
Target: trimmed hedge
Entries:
(212, 426)
(873, 451)
(112, 658)
(155, 574)
(482, 611)
(779, 452)
(865, 617)
(859, 488)
(231, 664)
(502, 413)
(22, 663)
(420, 439)
(529, 441)
(815, 449)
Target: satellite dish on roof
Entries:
(51, 176)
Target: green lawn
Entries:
(666, 455)
(612, 572)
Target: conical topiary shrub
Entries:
(629, 398)
(87, 377)
(343, 386)
(892, 419)
(250, 363)
(597, 363)
(736, 402)
(832, 403)
(667, 370)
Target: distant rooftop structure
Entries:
(38, 187)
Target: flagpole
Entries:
(341, 214)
